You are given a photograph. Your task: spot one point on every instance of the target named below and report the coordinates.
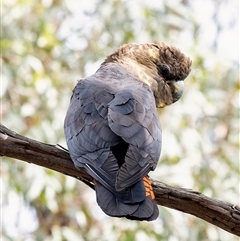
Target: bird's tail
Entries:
(136, 202)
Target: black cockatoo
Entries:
(112, 126)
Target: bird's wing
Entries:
(132, 115)
(105, 123)
(87, 132)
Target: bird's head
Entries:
(161, 66)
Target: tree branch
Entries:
(221, 214)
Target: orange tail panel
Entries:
(148, 186)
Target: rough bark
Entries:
(221, 214)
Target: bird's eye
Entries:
(164, 69)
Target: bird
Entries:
(112, 127)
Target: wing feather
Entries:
(140, 128)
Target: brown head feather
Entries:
(158, 65)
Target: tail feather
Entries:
(113, 206)
(147, 210)
(134, 202)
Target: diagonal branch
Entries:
(221, 214)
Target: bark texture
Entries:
(221, 214)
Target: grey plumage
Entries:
(112, 127)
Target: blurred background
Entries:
(47, 45)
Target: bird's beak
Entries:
(178, 87)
